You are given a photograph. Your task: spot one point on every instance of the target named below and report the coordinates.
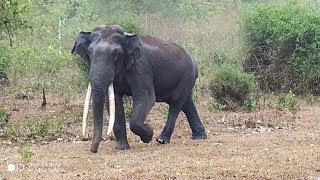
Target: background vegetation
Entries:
(283, 45)
(241, 46)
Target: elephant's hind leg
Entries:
(198, 131)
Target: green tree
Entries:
(11, 16)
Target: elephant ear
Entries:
(81, 45)
(133, 48)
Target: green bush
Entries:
(231, 86)
(25, 152)
(37, 129)
(283, 41)
(290, 102)
(128, 23)
(3, 117)
(11, 130)
(215, 106)
(5, 57)
(195, 10)
(128, 107)
(120, 13)
(162, 8)
(48, 125)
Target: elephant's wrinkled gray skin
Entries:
(146, 68)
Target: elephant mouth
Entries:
(86, 110)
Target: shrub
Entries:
(290, 102)
(161, 8)
(128, 23)
(49, 125)
(128, 107)
(284, 41)
(25, 152)
(37, 129)
(195, 10)
(231, 86)
(11, 130)
(215, 106)
(57, 125)
(120, 13)
(3, 117)
(5, 57)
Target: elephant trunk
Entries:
(98, 98)
(100, 81)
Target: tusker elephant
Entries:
(146, 68)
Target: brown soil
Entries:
(266, 144)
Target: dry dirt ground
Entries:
(265, 144)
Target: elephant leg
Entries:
(142, 104)
(120, 125)
(198, 131)
(167, 131)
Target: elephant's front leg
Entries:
(120, 125)
(142, 104)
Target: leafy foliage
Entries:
(195, 10)
(128, 107)
(5, 57)
(25, 152)
(37, 129)
(284, 41)
(231, 86)
(11, 15)
(164, 8)
(43, 127)
(11, 130)
(3, 117)
(290, 102)
(215, 106)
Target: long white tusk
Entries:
(86, 111)
(112, 108)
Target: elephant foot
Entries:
(144, 131)
(200, 136)
(146, 138)
(163, 140)
(121, 145)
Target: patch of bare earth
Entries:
(266, 144)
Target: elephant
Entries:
(144, 67)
